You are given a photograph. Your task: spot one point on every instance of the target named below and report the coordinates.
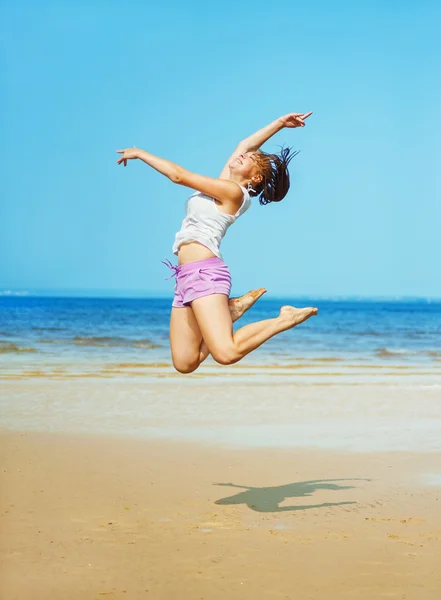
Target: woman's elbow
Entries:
(177, 175)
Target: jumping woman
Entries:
(202, 313)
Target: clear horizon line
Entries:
(136, 295)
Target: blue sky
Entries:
(187, 81)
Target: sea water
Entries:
(94, 331)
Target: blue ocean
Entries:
(86, 333)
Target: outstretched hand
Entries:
(127, 154)
(294, 119)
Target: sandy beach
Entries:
(139, 140)
(239, 505)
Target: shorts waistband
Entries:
(198, 264)
(195, 264)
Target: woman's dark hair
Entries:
(275, 175)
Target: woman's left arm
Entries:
(256, 140)
(291, 120)
(222, 190)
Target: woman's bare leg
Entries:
(187, 346)
(214, 320)
(185, 339)
(237, 307)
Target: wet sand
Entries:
(363, 415)
(96, 516)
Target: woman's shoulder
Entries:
(246, 202)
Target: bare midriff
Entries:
(191, 251)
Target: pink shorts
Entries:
(200, 278)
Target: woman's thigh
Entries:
(185, 339)
(213, 318)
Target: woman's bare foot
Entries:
(240, 305)
(291, 316)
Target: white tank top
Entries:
(204, 223)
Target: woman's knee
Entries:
(225, 355)
(185, 366)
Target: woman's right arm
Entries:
(225, 192)
(256, 140)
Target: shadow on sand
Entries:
(267, 499)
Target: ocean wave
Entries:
(326, 359)
(11, 348)
(395, 353)
(35, 328)
(104, 341)
(368, 333)
(388, 353)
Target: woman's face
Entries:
(244, 165)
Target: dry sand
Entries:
(90, 517)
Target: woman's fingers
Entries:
(299, 118)
(121, 158)
(124, 158)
